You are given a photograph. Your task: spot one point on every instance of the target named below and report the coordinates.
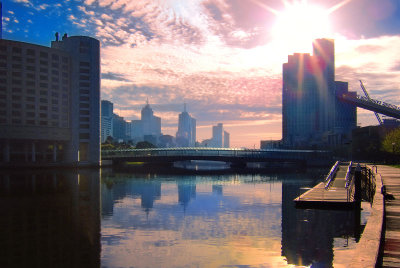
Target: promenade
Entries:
(391, 180)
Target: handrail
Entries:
(348, 174)
(332, 172)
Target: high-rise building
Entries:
(309, 104)
(148, 127)
(226, 139)
(217, 135)
(50, 101)
(107, 112)
(186, 134)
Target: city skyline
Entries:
(217, 56)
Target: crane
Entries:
(367, 95)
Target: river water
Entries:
(105, 218)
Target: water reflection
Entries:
(49, 219)
(52, 219)
(212, 221)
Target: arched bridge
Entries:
(235, 156)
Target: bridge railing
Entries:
(219, 152)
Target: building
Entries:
(186, 134)
(312, 114)
(148, 128)
(217, 135)
(226, 139)
(119, 127)
(50, 101)
(107, 111)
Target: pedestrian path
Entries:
(391, 250)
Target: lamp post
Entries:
(393, 144)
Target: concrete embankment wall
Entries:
(367, 250)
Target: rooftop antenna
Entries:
(147, 100)
(57, 36)
(184, 107)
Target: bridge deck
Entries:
(335, 196)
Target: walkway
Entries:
(336, 195)
(391, 179)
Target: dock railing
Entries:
(331, 175)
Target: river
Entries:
(108, 218)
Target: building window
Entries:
(84, 136)
(84, 63)
(43, 123)
(43, 54)
(30, 52)
(54, 57)
(30, 60)
(30, 122)
(16, 50)
(43, 62)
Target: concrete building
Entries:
(312, 114)
(50, 101)
(107, 111)
(186, 134)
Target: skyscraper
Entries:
(226, 139)
(107, 110)
(309, 103)
(186, 134)
(50, 101)
(148, 127)
(217, 135)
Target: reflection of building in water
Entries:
(186, 192)
(49, 220)
(307, 235)
(217, 189)
(113, 189)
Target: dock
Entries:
(337, 191)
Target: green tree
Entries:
(144, 145)
(391, 142)
(107, 146)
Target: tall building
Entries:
(148, 128)
(107, 111)
(50, 101)
(226, 139)
(309, 104)
(217, 135)
(186, 134)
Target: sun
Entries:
(298, 25)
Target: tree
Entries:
(144, 145)
(391, 142)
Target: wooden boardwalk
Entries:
(391, 247)
(335, 196)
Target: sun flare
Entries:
(298, 25)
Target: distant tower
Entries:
(186, 135)
(217, 138)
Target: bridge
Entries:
(372, 105)
(231, 155)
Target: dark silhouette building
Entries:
(313, 116)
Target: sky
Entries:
(223, 58)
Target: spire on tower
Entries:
(184, 107)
